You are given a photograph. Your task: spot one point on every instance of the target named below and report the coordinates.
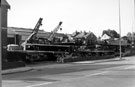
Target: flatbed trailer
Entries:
(86, 53)
(46, 47)
(35, 52)
(31, 55)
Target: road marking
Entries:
(130, 67)
(82, 62)
(67, 80)
(97, 73)
(40, 84)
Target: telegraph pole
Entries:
(133, 25)
(133, 22)
(120, 29)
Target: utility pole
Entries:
(133, 25)
(120, 29)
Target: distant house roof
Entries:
(80, 35)
(90, 34)
(4, 3)
(86, 35)
(74, 33)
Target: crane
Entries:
(52, 35)
(32, 36)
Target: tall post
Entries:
(4, 6)
(120, 29)
(4, 15)
(133, 25)
(0, 49)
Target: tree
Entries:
(111, 33)
(131, 37)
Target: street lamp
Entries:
(132, 35)
(120, 29)
(133, 26)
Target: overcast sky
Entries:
(88, 15)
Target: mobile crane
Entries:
(22, 48)
(32, 37)
(53, 33)
(31, 50)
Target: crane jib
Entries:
(60, 23)
(52, 35)
(34, 32)
(39, 23)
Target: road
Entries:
(115, 73)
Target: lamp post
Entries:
(133, 26)
(119, 29)
(132, 44)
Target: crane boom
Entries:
(39, 23)
(34, 32)
(54, 31)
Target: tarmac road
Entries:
(112, 73)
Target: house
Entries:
(105, 37)
(86, 38)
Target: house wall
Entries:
(91, 39)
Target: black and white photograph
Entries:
(67, 43)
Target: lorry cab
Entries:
(14, 47)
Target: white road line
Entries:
(40, 84)
(130, 67)
(97, 73)
(83, 62)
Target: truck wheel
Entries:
(29, 59)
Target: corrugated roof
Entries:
(11, 31)
(27, 32)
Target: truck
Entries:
(32, 50)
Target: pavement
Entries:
(42, 66)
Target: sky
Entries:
(80, 15)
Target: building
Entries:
(88, 38)
(17, 35)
